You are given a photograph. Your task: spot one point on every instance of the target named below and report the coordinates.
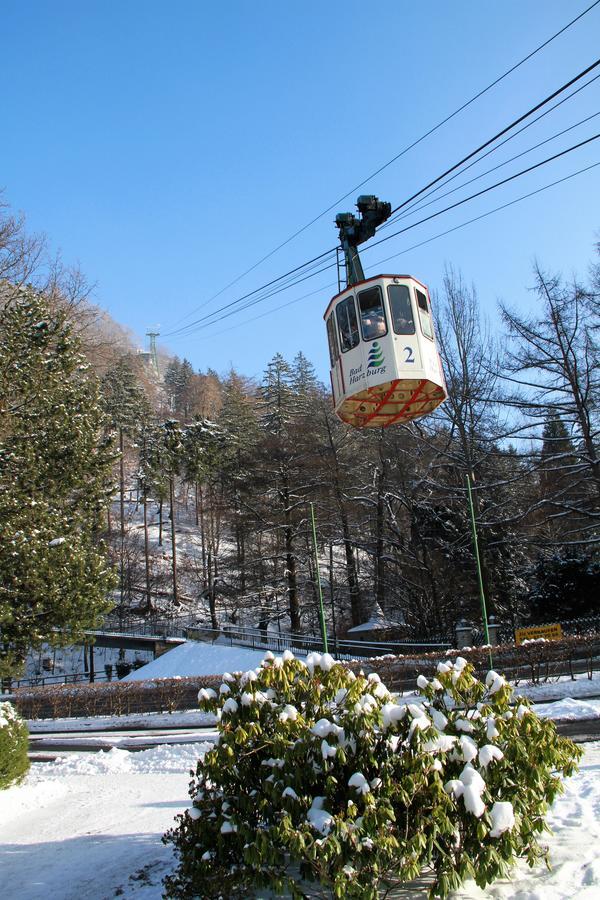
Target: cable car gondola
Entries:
(385, 366)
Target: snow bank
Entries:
(197, 658)
(569, 709)
(562, 687)
(167, 758)
(191, 718)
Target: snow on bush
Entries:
(14, 761)
(322, 776)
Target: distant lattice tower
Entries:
(153, 332)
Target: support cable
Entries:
(262, 287)
(401, 153)
(191, 326)
(418, 205)
(508, 128)
(416, 246)
(218, 315)
(491, 187)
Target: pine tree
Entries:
(203, 451)
(55, 482)
(239, 422)
(160, 464)
(126, 409)
(560, 487)
(280, 456)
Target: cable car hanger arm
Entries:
(355, 230)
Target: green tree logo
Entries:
(376, 357)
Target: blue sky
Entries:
(165, 148)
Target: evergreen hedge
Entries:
(14, 762)
(323, 779)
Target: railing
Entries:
(259, 639)
(63, 678)
(570, 628)
(150, 631)
(586, 625)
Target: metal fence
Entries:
(278, 642)
(261, 639)
(570, 628)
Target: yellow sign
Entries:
(548, 632)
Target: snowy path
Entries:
(89, 828)
(575, 821)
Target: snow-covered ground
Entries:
(198, 658)
(90, 825)
(573, 845)
(563, 710)
(191, 718)
(89, 828)
(569, 710)
(561, 687)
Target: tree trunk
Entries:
(203, 540)
(173, 540)
(122, 481)
(242, 545)
(332, 595)
(212, 604)
(379, 542)
(290, 564)
(147, 555)
(356, 610)
(122, 518)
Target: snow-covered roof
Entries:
(377, 621)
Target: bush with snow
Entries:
(14, 762)
(323, 777)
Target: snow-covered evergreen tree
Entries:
(55, 481)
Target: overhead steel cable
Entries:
(262, 287)
(491, 187)
(456, 166)
(488, 213)
(283, 285)
(226, 312)
(417, 204)
(216, 316)
(406, 250)
(401, 153)
(553, 137)
(504, 131)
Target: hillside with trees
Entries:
(222, 485)
(196, 485)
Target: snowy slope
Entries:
(197, 658)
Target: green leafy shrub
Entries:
(322, 778)
(14, 762)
